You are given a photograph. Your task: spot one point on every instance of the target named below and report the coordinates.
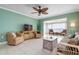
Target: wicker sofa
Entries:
(69, 48)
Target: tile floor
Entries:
(28, 47)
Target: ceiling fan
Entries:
(40, 10)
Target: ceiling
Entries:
(54, 9)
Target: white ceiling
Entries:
(54, 9)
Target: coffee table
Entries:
(49, 43)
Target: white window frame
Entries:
(52, 21)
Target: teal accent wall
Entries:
(13, 22)
(70, 17)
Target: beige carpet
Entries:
(28, 47)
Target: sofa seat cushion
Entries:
(26, 36)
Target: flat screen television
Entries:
(27, 27)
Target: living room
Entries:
(23, 28)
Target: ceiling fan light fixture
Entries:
(41, 10)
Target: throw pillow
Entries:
(14, 35)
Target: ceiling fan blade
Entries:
(35, 9)
(44, 13)
(44, 9)
(33, 12)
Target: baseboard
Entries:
(3, 42)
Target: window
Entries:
(56, 27)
